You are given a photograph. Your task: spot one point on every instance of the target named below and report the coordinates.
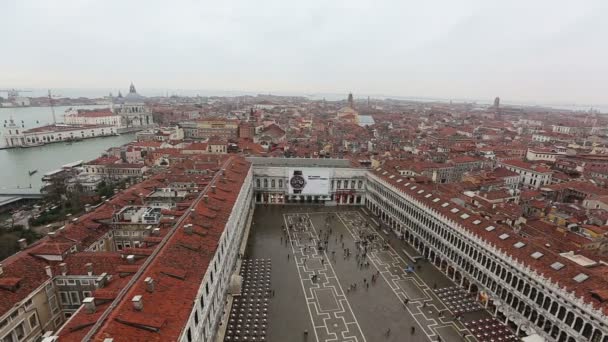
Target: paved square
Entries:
(326, 299)
(411, 289)
(313, 264)
(322, 280)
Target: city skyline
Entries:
(473, 50)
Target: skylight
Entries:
(436, 200)
(445, 204)
(464, 216)
(519, 244)
(476, 222)
(391, 176)
(557, 266)
(414, 187)
(399, 180)
(490, 228)
(537, 255)
(421, 191)
(427, 195)
(581, 277)
(407, 184)
(379, 169)
(455, 210)
(385, 172)
(504, 236)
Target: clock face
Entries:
(297, 182)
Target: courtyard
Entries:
(336, 276)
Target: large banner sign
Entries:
(309, 181)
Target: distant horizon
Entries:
(100, 92)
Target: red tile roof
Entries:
(179, 268)
(598, 276)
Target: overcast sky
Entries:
(533, 50)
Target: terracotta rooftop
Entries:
(503, 238)
(178, 267)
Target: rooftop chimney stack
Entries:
(89, 304)
(131, 259)
(2, 270)
(213, 188)
(89, 267)
(101, 280)
(52, 235)
(64, 268)
(206, 198)
(22, 244)
(188, 228)
(156, 231)
(149, 284)
(138, 302)
(49, 271)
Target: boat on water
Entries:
(33, 145)
(31, 172)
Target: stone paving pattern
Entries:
(326, 308)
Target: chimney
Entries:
(188, 228)
(156, 231)
(149, 284)
(87, 208)
(213, 188)
(89, 304)
(131, 259)
(22, 244)
(108, 340)
(206, 198)
(138, 302)
(89, 267)
(49, 271)
(101, 280)
(2, 270)
(64, 268)
(52, 235)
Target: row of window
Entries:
(335, 184)
(22, 329)
(437, 233)
(231, 237)
(72, 282)
(73, 297)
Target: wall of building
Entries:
(209, 305)
(518, 295)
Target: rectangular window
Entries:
(54, 306)
(65, 299)
(74, 298)
(70, 282)
(20, 332)
(86, 294)
(85, 282)
(59, 282)
(33, 321)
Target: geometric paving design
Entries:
(330, 312)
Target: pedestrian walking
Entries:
(413, 330)
(287, 256)
(388, 332)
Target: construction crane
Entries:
(51, 96)
(13, 93)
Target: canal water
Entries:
(15, 164)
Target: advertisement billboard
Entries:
(309, 181)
